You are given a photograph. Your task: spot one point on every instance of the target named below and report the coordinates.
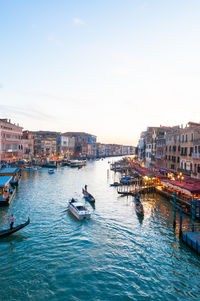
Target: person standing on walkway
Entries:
(12, 220)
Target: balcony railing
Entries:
(196, 155)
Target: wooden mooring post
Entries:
(174, 222)
(181, 223)
(194, 203)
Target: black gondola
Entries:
(4, 233)
(138, 206)
(88, 196)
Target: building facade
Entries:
(10, 141)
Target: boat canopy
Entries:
(9, 170)
(5, 180)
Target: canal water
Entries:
(113, 256)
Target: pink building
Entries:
(10, 141)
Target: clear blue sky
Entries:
(107, 67)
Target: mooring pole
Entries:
(193, 212)
(181, 223)
(174, 223)
(199, 207)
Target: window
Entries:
(186, 138)
(178, 159)
(185, 151)
(170, 148)
(182, 151)
(192, 137)
(182, 138)
(179, 148)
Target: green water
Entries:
(114, 255)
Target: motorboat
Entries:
(88, 197)
(51, 171)
(4, 233)
(77, 163)
(78, 209)
(138, 206)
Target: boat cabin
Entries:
(6, 190)
(14, 172)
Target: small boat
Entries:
(78, 209)
(51, 171)
(7, 232)
(138, 206)
(77, 163)
(88, 196)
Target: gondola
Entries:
(138, 206)
(88, 196)
(4, 233)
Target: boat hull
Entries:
(4, 233)
(88, 197)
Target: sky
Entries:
(108, 67)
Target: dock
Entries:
(136, 191)
(192, 239)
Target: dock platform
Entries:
(192, 239)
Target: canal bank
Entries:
(115, 254)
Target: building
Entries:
(189, 156)
(10, 141)
(176, 149)
(65, 146)
(45, 143)
(27, 145)
(85, 144)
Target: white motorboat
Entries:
(77, 163)
(79, 210)
(51, 171)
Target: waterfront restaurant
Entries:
(6, 191)
(14, 172)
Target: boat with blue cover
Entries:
(51, 171)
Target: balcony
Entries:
(12, 139)
(196, 155)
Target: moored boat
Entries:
(77, 163)
(51, 171)
(88, 196)
(78, 209)
(138, 206)
(4, 233)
